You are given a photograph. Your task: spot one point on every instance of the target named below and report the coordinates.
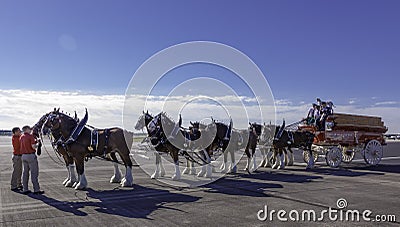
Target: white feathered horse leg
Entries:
(248, 161)
(69, 176)
(291, 158)
(82, 184)
(254, 162)
(72, 181)
(208, 166)
(116, 178)
(192, 168)
(177, 175)
(276, 158)
(263, 157)
(162, 169)
(203, 171)
(225, 167)
(156, 173)
(269, 159)
(224, 160)
(286, 157)
(233, 168)
(187, 168)
(127, 181)
(282, 161)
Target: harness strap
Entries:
(107, 135)
(290, 134)
(77, 130)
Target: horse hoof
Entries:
(79, 187)
(175, 177)
(186, 171)
(126, 184)
(154, 176)
(115, 179)
(201, 174)
(234, 170)
(65, 181)
(70, 184)
(309, 167)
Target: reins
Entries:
(59, 162)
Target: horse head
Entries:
(61, 122)
(143, 120)
(195, 127)
(37, 128)
(256, 128)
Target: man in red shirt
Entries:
(16, 184)
(29, 160)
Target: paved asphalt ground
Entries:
(231, 201)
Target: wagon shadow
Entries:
(383, 168)
(139, 202)
(240, 187)
(342, 171)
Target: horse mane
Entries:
(165, 116)
(71, 122)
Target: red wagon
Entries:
(346, 134)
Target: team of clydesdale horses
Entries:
(76, 142)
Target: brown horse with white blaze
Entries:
(108, 142)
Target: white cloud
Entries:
(26, 107)
(386, 103)
(353, 101)
(280, 102)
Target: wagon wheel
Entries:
(348, 155)
(333, 157)
(373, 152)
(306, 156)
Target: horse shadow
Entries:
(281, 177)
(240, 187)
(139, 202)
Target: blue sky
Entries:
(346, 51)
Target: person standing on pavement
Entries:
(16, 184)
(29, 160)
